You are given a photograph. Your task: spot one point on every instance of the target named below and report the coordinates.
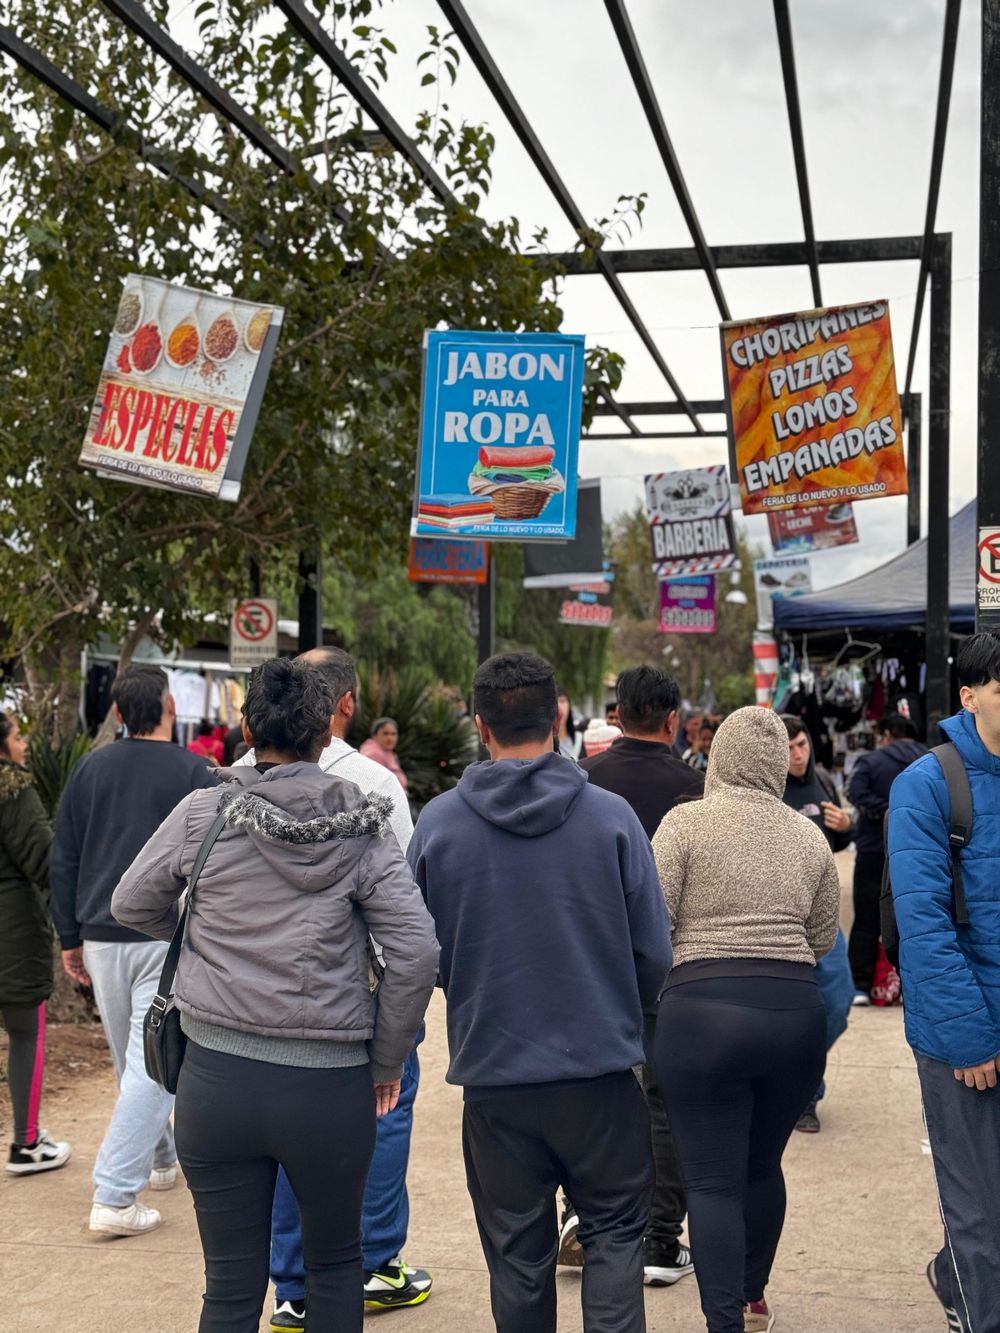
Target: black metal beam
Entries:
(913, 468)
(784, 254)
(783, 23)
(948, 45)
(658, 127)
(655, 435)
(478, 52)
(988, 474)
(112, 123)
(656, 409)
(312, 32)
(938, 694)
(487, 607)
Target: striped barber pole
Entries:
(765, 661)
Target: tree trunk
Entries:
(67, 713)
(108, 728)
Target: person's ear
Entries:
(118, 715)
(346, 705)
(247, 733)
(484, 732)
(968, 697)
(670, 727)
(555, 726)
(169, 707)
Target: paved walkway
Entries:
(861, 1223)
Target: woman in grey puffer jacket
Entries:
(285, 1038)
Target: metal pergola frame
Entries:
(931, 249)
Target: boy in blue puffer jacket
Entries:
(951, 984)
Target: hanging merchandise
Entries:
(691, 522)
(814, 416)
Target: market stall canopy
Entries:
(893, 596)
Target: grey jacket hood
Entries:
(526, 797)
(305, 827)
(750, 752)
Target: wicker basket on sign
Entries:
(513, 502)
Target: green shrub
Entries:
(53, 763)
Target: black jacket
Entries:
(807, 793)
(648, 775)
(115, 801)
(25, 930)
(868, 789)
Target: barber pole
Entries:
(765, 661)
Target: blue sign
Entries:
(499, 436)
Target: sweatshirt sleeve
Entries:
(824, 918)
(394, 912)
(670, 854)
(146, 896)
(649, 923)
(936, 974)
(65, 864)
(869, 803)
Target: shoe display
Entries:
(808, 1122)
(570, 1250)
(289, 1317)
(163, 1177)
(662, 1265)
(757, 1318)
(950, 1313)
(396, 1284)
(130, 1221)
(42, 1155)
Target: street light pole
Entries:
(988, 469)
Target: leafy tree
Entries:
(724, 658)
(350, 242)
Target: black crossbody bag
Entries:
(163, 1042)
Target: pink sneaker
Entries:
(757, 1318)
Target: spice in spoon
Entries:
(146, 347)
(183, 344)
(221, 338)
(129, 310)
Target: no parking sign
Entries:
(253, 632)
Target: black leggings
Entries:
(738, 1059)
(25, 1026)
(236, 1120)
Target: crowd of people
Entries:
(681, 887)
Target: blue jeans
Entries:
(836, 986)
(385, 1213)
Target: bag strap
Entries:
(959, 821)
(166, 984)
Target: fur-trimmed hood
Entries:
(305, 826)
(13, 779)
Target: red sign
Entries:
(816, 529)
(433, 560)
(253, 621)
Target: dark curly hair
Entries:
(6, 727)
(288, 707)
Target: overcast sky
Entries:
(868, 76)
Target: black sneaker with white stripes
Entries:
(663, 1265)
(950, 1313)
(42, 1155)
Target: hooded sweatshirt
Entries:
(807, 794)
(275, 944)
(868, 788)
(744, 876)
(554, 936)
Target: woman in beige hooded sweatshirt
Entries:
(753, 895)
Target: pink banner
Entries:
(687, 606)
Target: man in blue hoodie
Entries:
(554, 939)
(951, 985)
(868, 790)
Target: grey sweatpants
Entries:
(963, 1126)
(139, 1136)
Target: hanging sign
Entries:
(591, 604)
(813, 409)
(687, 606)
(817, 529)
(180, 389)
(499, 436)
(691, 522)
(778, 578)
(253, 632)
(436, 561)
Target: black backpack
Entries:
(959, 832)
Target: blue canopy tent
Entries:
(893, 596)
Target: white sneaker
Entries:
(45, 1155)
(130, 1221)
(163, 1177)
